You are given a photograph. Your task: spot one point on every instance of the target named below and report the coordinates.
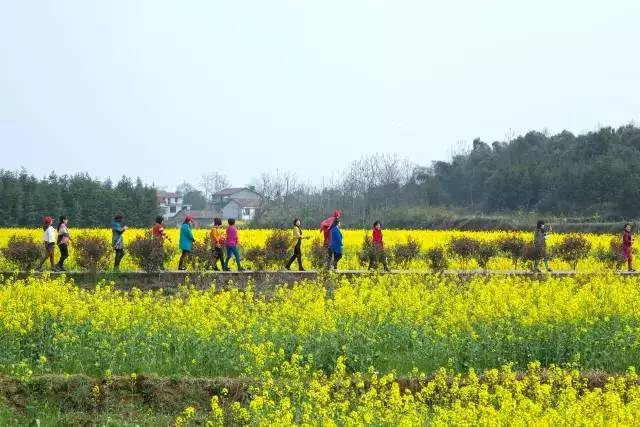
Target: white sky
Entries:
(167, 90)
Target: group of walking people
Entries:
(225, 242)
(220, 239)
(623, 250)
(55, 236)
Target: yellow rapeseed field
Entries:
(352, 244)
(334, 357)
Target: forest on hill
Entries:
(89, 202)
(593, 177)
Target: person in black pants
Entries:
(297, 249)
(117, 229)
(217, 243)
(63, 242)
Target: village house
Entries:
(171, 203)
(239, 203)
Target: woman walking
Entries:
(540, 245)
(377, 253)
(627, 247)
(158, 232)
(217, 242)
(231, 244)
(117, 241)
(186, 241)
(297, 249)
(336, 243)
(63, 242)
(325, 229)
(49, 240)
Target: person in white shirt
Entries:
(49, 240)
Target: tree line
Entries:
(25, 199)
(593, 174)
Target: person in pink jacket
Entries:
(231, 243)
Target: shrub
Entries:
(611, 256)
(530, 254)
(91, 251)
(318, 254)
(437, 259)
(277, 248)
(368, 251)
(150, 254)
(256, 256)
(484, 253)
(572, 249)
(464, 248)
(512, 246)
(23, 251)
(201, 256)
(404, 253)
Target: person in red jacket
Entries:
(377, 253)
(627, 247)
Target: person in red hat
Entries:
(186, 240)
(49, 239)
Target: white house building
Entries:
(171, 203)
(239, 203)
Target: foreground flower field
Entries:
(352, 245)
(365, 352)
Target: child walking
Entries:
(117, 241)
(336, 243)
(627, 250)
(49, 240)
(186, 241)
(297, 249)
(231, 243)
(63, 242)
(540, 245)
(217, 242)
(377, 254)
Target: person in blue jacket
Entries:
(336, 243)
(117, 230)
(186, 240)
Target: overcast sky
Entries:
(168, 90)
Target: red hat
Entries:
(188, 218)
(47, 219)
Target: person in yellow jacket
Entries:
(297, 249)
(217, 243)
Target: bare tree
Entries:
(185, 188)
(212, 182)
